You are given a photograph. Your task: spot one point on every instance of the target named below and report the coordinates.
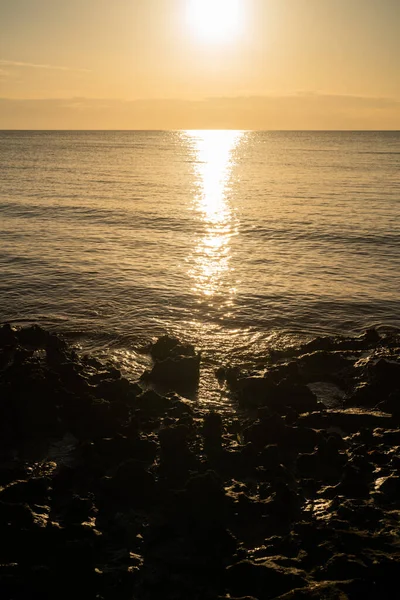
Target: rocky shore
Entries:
(112, 490)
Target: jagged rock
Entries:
(32, 491)
(266, 431)
(8, 336)
(388, 488)
(264, 580)
(297, 396)
(212, 431)
(342, 567)
(256, 392)
(324, 366)
(169, 347)
(173, 440)
(347, 420)
(204, 499)
(132, 484)
(322, 591)
(181, 372)
(151, 402)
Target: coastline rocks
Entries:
(176, 365)
(258, 392)
(264, 580)
(112, 491)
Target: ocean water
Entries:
(235, 241)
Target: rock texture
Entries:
(109, 489)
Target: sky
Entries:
(168, 64)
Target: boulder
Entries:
(170, 347)
(179, 372)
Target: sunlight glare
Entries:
(214, 161)
(215, 20)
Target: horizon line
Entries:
(206, 129)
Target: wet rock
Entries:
(212, 431)
(78, 510)
(392, 405)
(156, 478)
(176, 459)
(33, 336)
(300, 439)
(387, 488)
(342, 567)
(132, 484)
(324, 366)
(176, 365)
(347, 420)
(264, 580)
(254, 392)
(180, 372)
(204, 499)
(271, 457)
(266, 431)
(354, 483)
(297, 396)
(32, 491)
(325, 591)
(17, 515)
(387, 372)
(173, 440)
(284, 504)
(8, 336)
(151, 402)
(170, 347)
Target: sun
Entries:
(215, 21)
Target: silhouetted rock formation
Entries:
(109, 489)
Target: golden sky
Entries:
(160, 64)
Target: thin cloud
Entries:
(297, 111)
(15, 63)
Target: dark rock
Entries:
(169, 347)
(264, 580)
(204, 499)
(181, 372)
(173, 440)
(347, 420)
(17, 515)
(297, 396)
(324, 366)
(255, 392)
(78, 510)
(284, 504)
(342, 567)
(151, 402)
(388, 488)
(33, 491)
(131, 485)
(322, 591)
(300, 439)
(372, 336)
(269, 430)
(271, 457)
(33, 336)
(212, 430)
(8, 336)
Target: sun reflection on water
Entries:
(210, 264)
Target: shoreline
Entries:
(115, 490)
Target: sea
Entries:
(236, 241)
